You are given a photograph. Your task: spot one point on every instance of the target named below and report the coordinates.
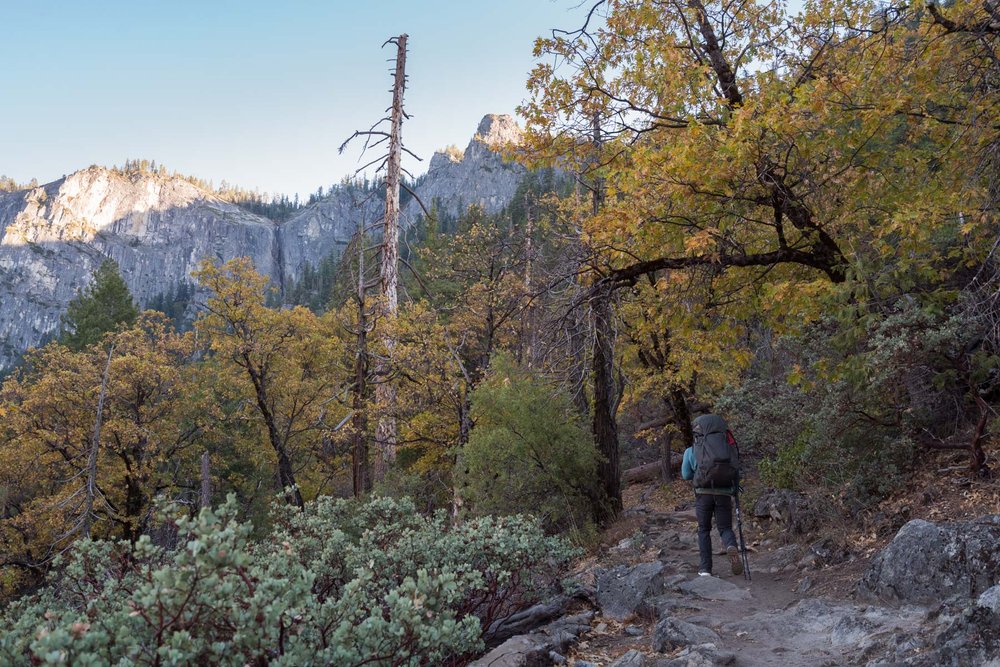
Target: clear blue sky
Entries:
(259, 93)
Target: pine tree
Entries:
(98, 309)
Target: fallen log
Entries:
(650, 471)
(531, 619)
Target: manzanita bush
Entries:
(338, 583)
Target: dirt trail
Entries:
(772, 620)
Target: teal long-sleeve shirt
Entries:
(689, 465)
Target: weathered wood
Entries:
(649, 471)
(532, 618)
(385, 391)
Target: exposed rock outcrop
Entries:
(158, 229)
(929, 562)
(479, 175)
(623, 591)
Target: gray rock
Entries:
(990, 599)
(705, 655)
(973, 638)
(851, 630)
(631, 659)
(713, 588)
(671, 633)
(663, 605)
(927, 562)
(790, 508)
(476, 176)
(623, 591)
(634, 631)
(157, 228)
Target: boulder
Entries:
(928, 562)
(623, 591)
(671, 633)
(973, 638)
(795, 510)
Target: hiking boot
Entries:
(735, 560)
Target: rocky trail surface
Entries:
(929, 598)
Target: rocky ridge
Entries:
(158, 229)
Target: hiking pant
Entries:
(707, 504)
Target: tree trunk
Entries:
(682, 417)
(385, 392)
(286, 474)
(360, 472)
(91, 490)
(605, 426)
(666, 457)
(464, 429)
(206, 482)
(360, 468)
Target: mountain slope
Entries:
(159, 228)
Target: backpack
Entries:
(717, 458)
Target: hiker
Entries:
(712, 464)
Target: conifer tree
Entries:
(98, 309)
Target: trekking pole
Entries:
(743, 544)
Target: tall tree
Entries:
(101, 307)
(68, 476)
(385, 391)
(284, 360)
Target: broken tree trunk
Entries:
(385, 391)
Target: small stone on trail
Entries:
(556, 658)
(601, 627)
(634, 631)
(804, 585)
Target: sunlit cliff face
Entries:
(158, 229)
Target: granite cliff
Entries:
(159, 228)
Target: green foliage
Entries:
(104, 305)
(842, 406)
(174, 303)
(338, 583)
(529, 451)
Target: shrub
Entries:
(528, 451)
(336, 583)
